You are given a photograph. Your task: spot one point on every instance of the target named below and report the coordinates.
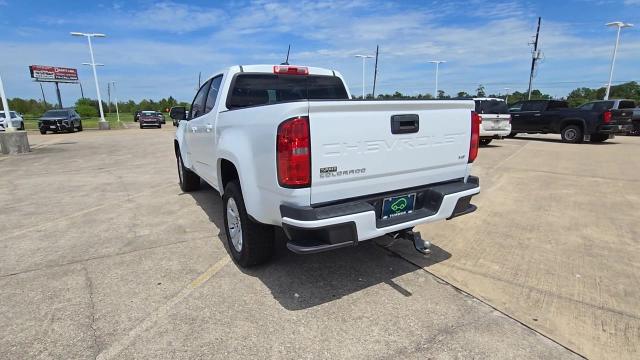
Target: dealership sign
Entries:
(53, 73)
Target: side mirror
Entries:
(178, 113)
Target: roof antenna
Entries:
(286, 61)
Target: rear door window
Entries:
(214, 89)
(587, 106)
(197, 106)
(534, 106)
(263, 89)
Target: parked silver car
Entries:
(16, 120)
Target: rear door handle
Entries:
(405, 124)
(194, 129)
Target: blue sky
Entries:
(155, 48)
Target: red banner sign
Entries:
(53, 73)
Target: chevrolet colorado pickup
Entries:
(287, 148)
(573, 125)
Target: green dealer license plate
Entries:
(398, 205)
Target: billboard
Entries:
(53, 73)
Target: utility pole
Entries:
(534, 56)
(109, 97)
(81, 91)
(375, 73)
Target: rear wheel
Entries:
(189, 181)
(572, 134)
(485, 142)
(512, 134)
(598, 138)
(43, 132)
(80, 126)
(250, 242)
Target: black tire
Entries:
(141, 126)
(159, 126)
(512, 134)
(572, 134)
(598, 138)
(256, 239)
(485, 142)
(71, 128)
(80, 126)
(43, 132)
(189, 181)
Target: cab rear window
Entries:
(262, 89)
(491, 107)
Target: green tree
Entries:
(480, 91)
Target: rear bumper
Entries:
(316, 229)
(615, 129)
(150, 122)
(494, 134)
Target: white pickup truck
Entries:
(286, 147)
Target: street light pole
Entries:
(115, 95)
(506, 100)
(364, 58)
(8, 124)
(619, 25)
(103, 124)
(437, 62)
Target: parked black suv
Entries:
(60, 120)
(573, 125)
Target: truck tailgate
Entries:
(355, 152)
(621, 116)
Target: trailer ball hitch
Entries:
(421, 245)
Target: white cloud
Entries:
(174, 17)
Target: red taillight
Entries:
(475, 136)
(293, 149)
(606, 117)
(290, 70)
(479, 119)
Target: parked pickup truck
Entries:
(287, 149)
(618, 104)
(573, 125)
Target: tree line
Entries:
(89, 107)
(579, 96)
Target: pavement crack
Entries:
(92, 325)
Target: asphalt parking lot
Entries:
(102, 256)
